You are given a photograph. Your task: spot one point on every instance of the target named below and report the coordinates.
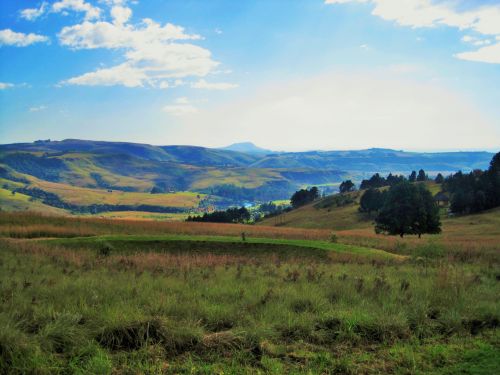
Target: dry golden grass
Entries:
(43, 230)
(96, 226)
(86, 196)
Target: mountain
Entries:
(378, 160)
(244, 172)
(247, 147)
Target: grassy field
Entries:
(88, 295)
(20, 202)
(86, 196)
(141, 215)
(470, 236)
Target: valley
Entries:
(90, 177)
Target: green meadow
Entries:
(95, 296)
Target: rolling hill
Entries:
(163, 179)
(470, 233)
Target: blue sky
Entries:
(287, 75)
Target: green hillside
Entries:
(21, 202)
(145, 177)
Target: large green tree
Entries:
(408, 209)
(371, 201)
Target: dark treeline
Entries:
(408, 208)
(54, 200)
(475, 191)
(378, 181)
(231, 215)
(304, 196)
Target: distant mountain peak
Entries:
(247, 147)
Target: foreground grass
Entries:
(79, 309)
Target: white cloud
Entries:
(152, 52)
(32, 14)
(203, 84)
(90, 11)
(163, 85)
(5, 85)
(12, 38)
(38, 108)
(180, 107)
(483, 20)
(120, 14)
(488, 54)
(123, 74)
(347, 110)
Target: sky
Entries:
(287, 75)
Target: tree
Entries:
(372, 200)
(304, 196)
(439, 179)
(408, 209)
(413, 176)
(421, 175)
(375, 181)
(476, 191)
(394, 179)
(347, 186)
(494, 179)
(231, 215)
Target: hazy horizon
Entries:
(489, 150)
(302, 75)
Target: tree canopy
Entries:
(421, 175)
(475, 191)
(371, 201)
(347, 186)
(304, 196)
(439, 179)
(408, 209)
(231, 215)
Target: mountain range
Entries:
(238, 172)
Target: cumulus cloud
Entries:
(12, 38)
(488, 54)
(203, 84)
(120, 14)
(484, 21)
(90, 11)
(123, 74)
(32, 14)
(180, 107)
(153, 53)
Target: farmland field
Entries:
(105, 296)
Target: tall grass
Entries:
(80, 311)
(108, 226)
